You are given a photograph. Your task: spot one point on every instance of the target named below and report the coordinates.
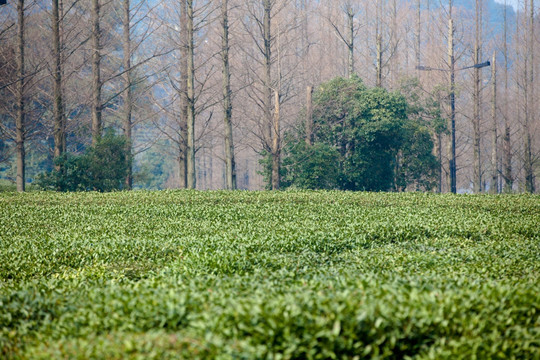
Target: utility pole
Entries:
(452, 83)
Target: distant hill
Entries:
(494, 11)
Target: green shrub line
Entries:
(269, 275)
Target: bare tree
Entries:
(477, 166)
(378, 42)
(100, 75)
(418, 42)
(136, 19)
(507, 145)
(20, 121)
(183, 119)
(347, 36)
(395, 41)
(267, 98)
(190, 84)
(128, 92)
(97, 122)
(58, 102)
(191, 175)
(230, 165)
(8, 75)
(258, 27)
(494, 186)
(452, 81)
(529, 98)
(276, 142)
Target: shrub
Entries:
(102, 167)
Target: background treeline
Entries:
(270, 93)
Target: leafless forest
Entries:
(203, 88)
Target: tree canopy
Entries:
(363, 139)
(103, 167)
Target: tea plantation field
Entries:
(269, 275)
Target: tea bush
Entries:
(269, 275)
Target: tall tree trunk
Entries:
(452, 81)
(269, 126)
(378, 35)
(350, 42)
(128, 94)
(97, 124)
(182, 157)
(394, 41)
(267, 35)
(21, 103)
(418, 33)
(494, 166)
(210, 172)
(58, 102)
(440, 167)
(477, 163)
(507, 146)
(276, 150)
(191, 174)
(62, 72)
(230, 165)
(529, 95)
(182, 136)
(449, 175)
(309, 115)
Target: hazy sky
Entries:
(510, 2)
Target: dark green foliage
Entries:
(358, 135)
(416, 167)
(416, 164)
(71, 176)
(309, 167)
(102, 167)
(424, 107)
(266, 163)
